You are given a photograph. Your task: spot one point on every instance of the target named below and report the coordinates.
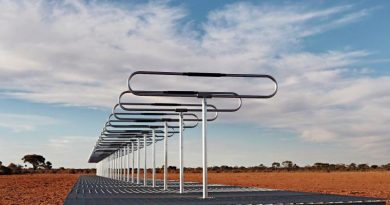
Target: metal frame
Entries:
(164, 109)
(114, 135)
(203, 96)
(127, 133)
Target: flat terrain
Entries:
(35, 188)
(53, 188)
(371, 184)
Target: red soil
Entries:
(35, 188)
(371, 184)
(53, 188)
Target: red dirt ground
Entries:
(375, 184)
(371, 184)
(34, 189)
(53, 188)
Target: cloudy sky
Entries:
(64, 63)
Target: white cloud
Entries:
(24, 123)
(81, 54)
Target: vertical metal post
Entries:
(165, 156)
(123, 164)
(138, 161)
(154, 158)
(119, 164)
(114, 162)
(181, 177)
(114, 165)
(132, 162)
(111, 166)
(145, 169)
(128, 163)
(204, 146)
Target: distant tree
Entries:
(261, 167)
(352, 166)
(295, 166)
(386, 166)
(12, 166)
(363, 166)
(225, 168)
(173, 168)
(4, 170)
(321, 166)
(276, 165)
(287, 164)
(35, 160)
(374, 166)
(340, 167)
(48, 165)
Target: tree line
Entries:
(39, 165)
(37, 162)
(289, 166)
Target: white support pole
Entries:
(128, 163)
(138, 161)
(111, 166)
(165, 156)
(132, 162)
(117, 165)
(122, 164)
(114, 165)
(154, 158)
(145, 169)
(204, 146)
(181, 177)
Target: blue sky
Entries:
(64, 63)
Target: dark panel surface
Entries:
(99, 190)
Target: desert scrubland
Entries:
(373, 184)
(31, 189)
(53, 188)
